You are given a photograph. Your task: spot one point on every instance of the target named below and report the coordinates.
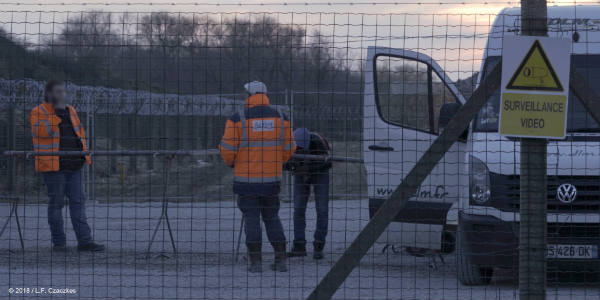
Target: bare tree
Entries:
(169, 30)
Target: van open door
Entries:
(408, 101)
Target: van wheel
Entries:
(469, 273)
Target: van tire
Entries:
(469, 273)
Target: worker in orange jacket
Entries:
(55, 126)
(256, 144)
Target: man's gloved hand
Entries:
(328, 164)
(289, 166)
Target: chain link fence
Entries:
(384, 83)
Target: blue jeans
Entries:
(320, 183)
(61, 184)
(252, 207)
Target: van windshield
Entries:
(579, 119)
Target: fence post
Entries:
(132, 133)
(10, 146)
(533, 183)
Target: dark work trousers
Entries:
(61, 184)
(267, 206)
(302, 184)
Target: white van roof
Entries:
(563, 21)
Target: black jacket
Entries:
(318, 146)
(69, 141)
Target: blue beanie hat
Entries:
(302, 137)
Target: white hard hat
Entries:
(255, 87)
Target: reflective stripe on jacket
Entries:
(257, 142)
(46, 135)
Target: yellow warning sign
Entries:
(534, 87)
(535, 115)
(535, 72)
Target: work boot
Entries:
(299, 249)
(255, 257)
(91, 246)
(318, 253)
(280, 257)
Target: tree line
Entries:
(181, 53)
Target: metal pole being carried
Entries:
(206, 152)
(533, 206)
(114, 153)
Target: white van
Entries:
(473, 192)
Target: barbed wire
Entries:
(299, 3)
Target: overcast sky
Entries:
(453, 33)
(359, 6)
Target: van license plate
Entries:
(572, 251)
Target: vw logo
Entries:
(566, 193)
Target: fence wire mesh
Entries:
(158, 87)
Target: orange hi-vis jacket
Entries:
(257, 142)
(46, 135)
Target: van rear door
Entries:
(404, 95)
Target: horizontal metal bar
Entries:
(333, 158)
(330, 158)
(326, 93)
(116, 153)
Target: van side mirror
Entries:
(447, 111)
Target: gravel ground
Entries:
(206, 235)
